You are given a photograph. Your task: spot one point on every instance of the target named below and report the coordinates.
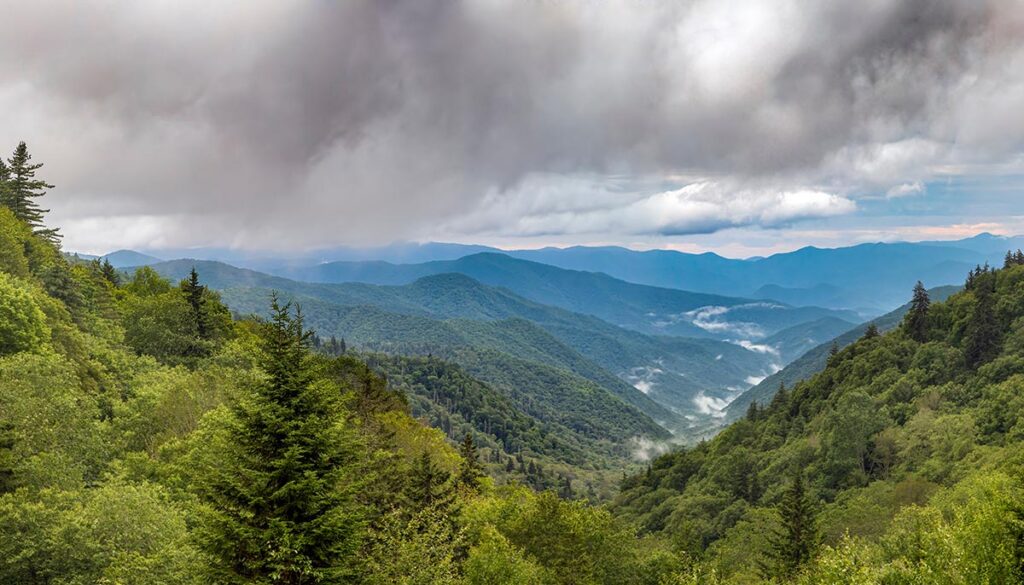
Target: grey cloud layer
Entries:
(314, 122)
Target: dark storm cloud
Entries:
(315, 122)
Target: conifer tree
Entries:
(917, 317)
(794, 543)
(470, 470)
(781, 398)
(982, 335)
(429, 485)
(281, 497)
(193, 292)
(753, 413)
(109, 273)
(565, 488)
(22, 187)
(871, 332)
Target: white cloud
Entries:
(905, 190)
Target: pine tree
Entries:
(753, 413)
(470, 470)
(565, 488)
(193, 292)
(109, 273)
(871, 332)
(781, 398)
(794, 543)
(281, 498)
(21, 188)
(917, 317)
(429, 485)
(982, 335)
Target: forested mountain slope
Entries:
(146, 437)
(649, 309)
(441, 312)
(815, 359)
(900, 462)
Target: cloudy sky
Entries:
(739, 126)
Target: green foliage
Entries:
(22, 323)
(910, 449)
(793, 544)
(19, 189)
(280, 500)
(146, 437)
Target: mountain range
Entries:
(827, 277)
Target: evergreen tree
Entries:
(794, 543)
(917, 317)
(193, 292)
(565, 488)
(109, 273)
(429, 485)
(470, 470)
(781, 398)
(281, 498)
(753, 413)
(871, 332)
(21, 188)
(982, 335)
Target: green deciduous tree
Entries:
(22, 323)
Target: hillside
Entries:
(900, 460)
(148, 437)
(648, 309)
(815, 359)
(677, 374)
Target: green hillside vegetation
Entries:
(900, 462)
(649, 309)
(815, 359)
(147, 437)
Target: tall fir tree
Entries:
(794, 543)
(982, 335)
(109, 273)
(917, 317)
(193, 292)
(22, 188)
(429, 485)
(281, 497)
(871, 332)
(470, 470)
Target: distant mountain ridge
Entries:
(827, 277)
(455, 311)
(648, 309)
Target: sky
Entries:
(744, 127)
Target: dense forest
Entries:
(900, 462)
(149, 435)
